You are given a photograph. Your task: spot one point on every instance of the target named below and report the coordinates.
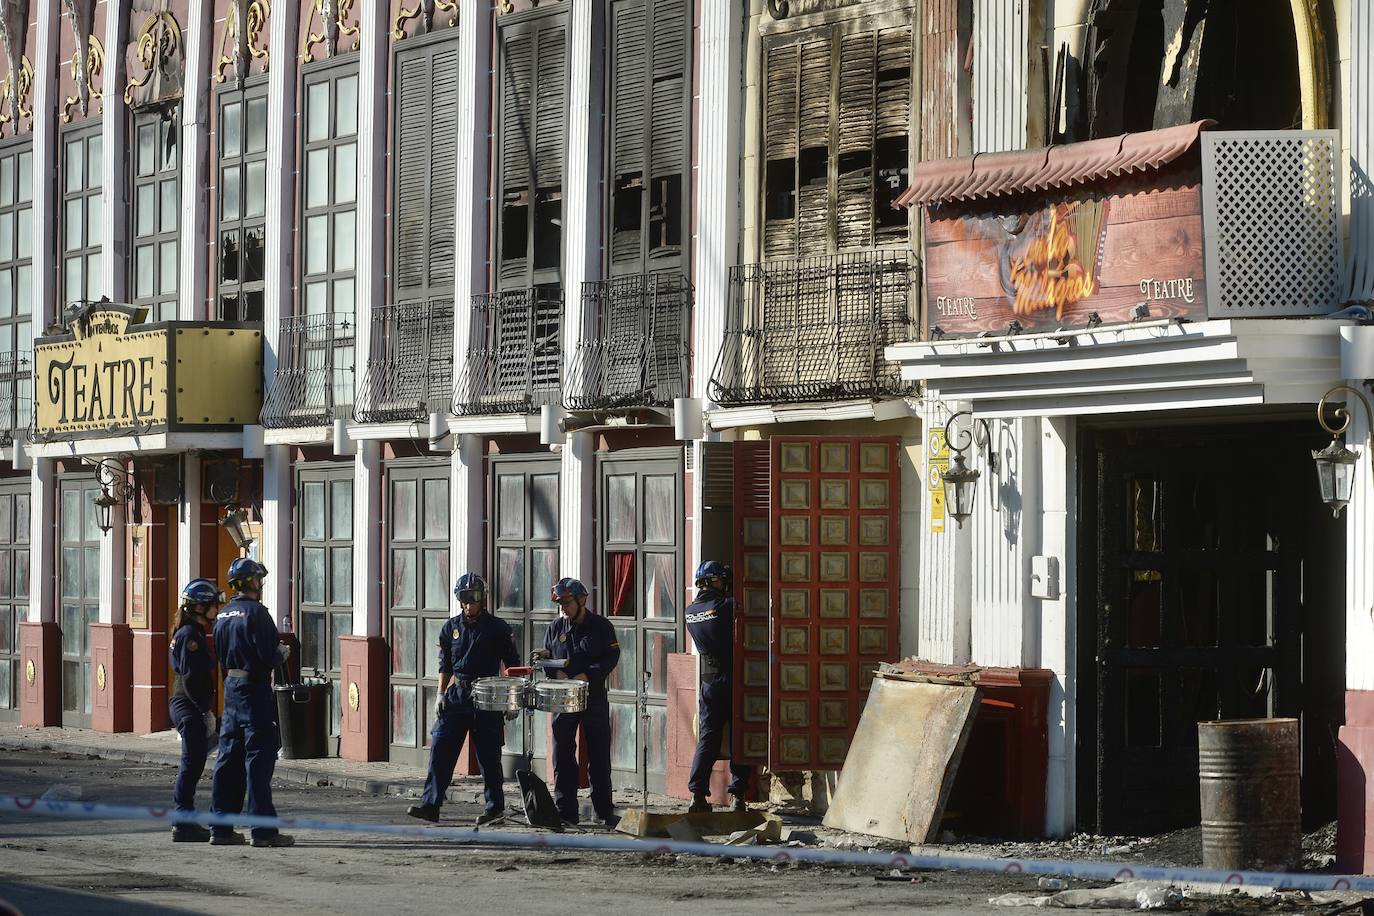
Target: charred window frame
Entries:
(425, 171)
(533, 54)
(241, 136)
(83, 214)
(155, 211)
(649, 101)
(328, 195)
(837, 104)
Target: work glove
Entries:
(211, 725)
(440, 705)
(512, 715)
(283, 653)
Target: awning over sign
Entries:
(1027, 171)
(1150, 366)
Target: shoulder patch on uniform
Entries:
(192, 645)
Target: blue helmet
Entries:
(712, 569)
(201, 591)
(567, 588)
(243, 569)
(470, 588)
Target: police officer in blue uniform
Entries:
(192, 703)
(711, 624)
(472, 645)
(246, 642)
(588, 642)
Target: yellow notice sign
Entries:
(937, 460)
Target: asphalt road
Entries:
(52, 866)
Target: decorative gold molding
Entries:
(100, 676)
(30, 672)
(159, 43)
(86, 70)
(16, 92)
(334, 25)
(1312, 63)
(243, 30)
(354, 697)
(425, 11)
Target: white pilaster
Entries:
(114, 175)
(42, 548)
(112, 568)
(195, 119)
(717, 181)
(1058, 618)
(470, 270)
(946, 573)
(372, 183)
(1359, 540)
(367, 539)
(581, 264)
(281, 152)
(576, 543)
(1359, 133)
(276, 530)
(188, 525)
(46, 158)
(465, 505)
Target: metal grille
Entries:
(635, 351)
(815, 329)
(1271, 214)
(411, 370)
(314, 379)
(514, 358)
(16, 393)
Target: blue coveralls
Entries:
(711, 624)
(591, 649)
(246, 641)
(469, 651)
(192, 697)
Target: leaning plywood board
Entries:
(901, 763)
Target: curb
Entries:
(286, 770)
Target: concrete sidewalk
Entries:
(375, 778)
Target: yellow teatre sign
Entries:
(111, 376)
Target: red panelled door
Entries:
(749, 740)
(833, 524)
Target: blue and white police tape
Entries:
(1092, 871)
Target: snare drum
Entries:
(499, 694)
(560, 696)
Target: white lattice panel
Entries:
(1271, 215)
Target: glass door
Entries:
(641, 591)
(14, 589)
(524, 551)
(79, 588)
(418, 602)
(324, 577)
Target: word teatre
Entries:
(115, 389)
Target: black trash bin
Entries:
(301, 715)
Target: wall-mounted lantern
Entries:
(960, 480)
(117, 487)
(235, 522)
(1336, 463)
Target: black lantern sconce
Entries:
(117, 487)
(235, 522)
(1336, 463)
(960, 480)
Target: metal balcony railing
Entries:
(515, 355)
(1271, 209)
(410, 371)
(314, 379)
(634, 351)
(16, 393)
(815, 329)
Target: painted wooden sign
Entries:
(1050, 260)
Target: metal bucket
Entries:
(499, 694)
(560, 696)
(1248, 773)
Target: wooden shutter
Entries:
(892, 133)
(814, 130)
(550, 99)
(749, 470)
(780, 149)
(854, 128)
(517, 144)
(426, 171)
(650, 121)
(940, 74)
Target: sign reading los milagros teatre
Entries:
(113, 375)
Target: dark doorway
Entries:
(1212, 588)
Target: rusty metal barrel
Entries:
(1248, 771)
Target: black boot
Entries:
(739, 806)
(700, 804)
(190, 833)
(486, 817)
(424, 812)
